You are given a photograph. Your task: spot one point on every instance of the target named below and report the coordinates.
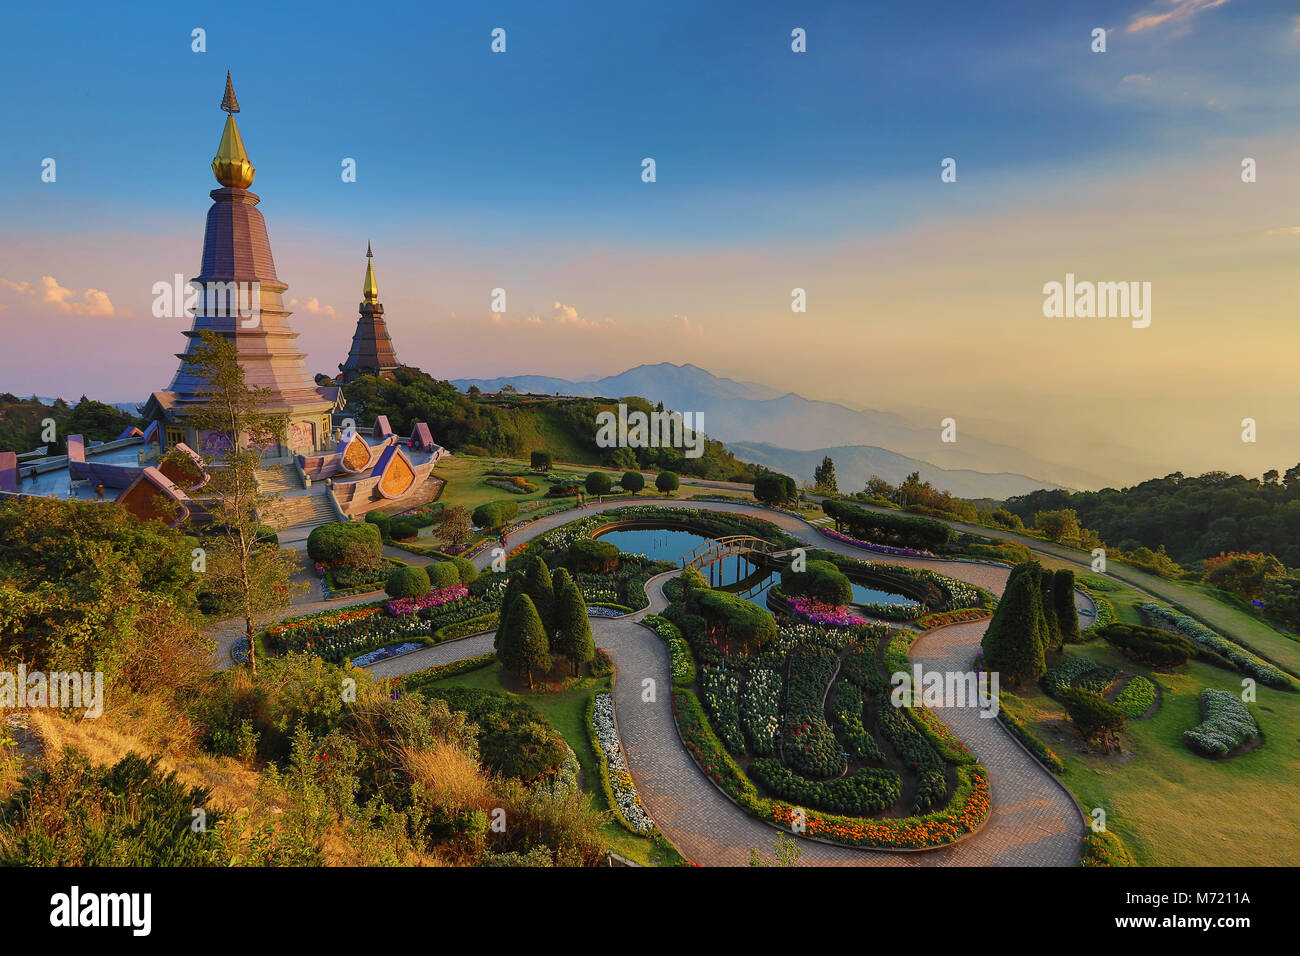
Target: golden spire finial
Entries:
(228, 102)
(370, 290)
(231, 165)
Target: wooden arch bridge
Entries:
(716, 550)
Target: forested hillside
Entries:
(1192, 518)
(515, 425)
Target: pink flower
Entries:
(436, 598)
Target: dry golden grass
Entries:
(104, 743)
(450, 777)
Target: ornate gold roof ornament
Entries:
(231, 165)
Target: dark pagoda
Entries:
(372, 350)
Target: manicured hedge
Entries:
(593, 555)
(1149, 645)
(870, 790)
(888, 528)
(407, 581)
(345, 542)
(443, 574)
(495, 514)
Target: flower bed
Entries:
(815, 612)
(1137, 697)
(620, 791)
(1237, 655)
(760, 710)
(719, 690)
(929, 621)
(870, 790)
(338, 634)
(1062, 675)
(1225, 725)
(966, 813)
(1104, 849)
(918, 753)
(846, 713)
(808, 744)
(383, 653)
(907, 611)
(427, 601)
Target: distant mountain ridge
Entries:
(755, 414)
(854, 464)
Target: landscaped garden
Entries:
(1128, 711)
(793, 721)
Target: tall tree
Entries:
(824, 477)
(1012, 645)
(572, 626)
(527, 649)
(538, 586)
(1067, 618)
(247, 573)
(514, 588)
(1052, 624)
(455, 528)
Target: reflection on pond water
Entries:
(665, 544)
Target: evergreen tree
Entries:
(1012, 644)
(528, 639)
(824, 476)
(1052, 623)
(1067, 618)
(514, 588)
(538, 586)
(572, 626)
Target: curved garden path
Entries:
(1033, 822)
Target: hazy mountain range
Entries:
(791, 433)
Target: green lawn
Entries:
(1172, 807)
(567, 711)
(466, 482)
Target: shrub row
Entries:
(809, 745)
(1149, 645)
(870, 790)
(846, 713)
(1203, 637)
(919, 754)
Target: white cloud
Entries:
(314, 306)
(57, 298)
(1177, 12)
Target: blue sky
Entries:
(775, 170)
(750, 140)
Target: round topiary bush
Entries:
(599, 483)
(820, 580)
(632, 481)
(381, 520)
(465, 568)
(598, 557)
(667, 482)
(345, 543)
(443, 574)
(403, 529)
(407, 581)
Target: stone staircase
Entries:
(279, 479)
(301, 510)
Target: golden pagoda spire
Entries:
(231, 165)
(370, 290)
